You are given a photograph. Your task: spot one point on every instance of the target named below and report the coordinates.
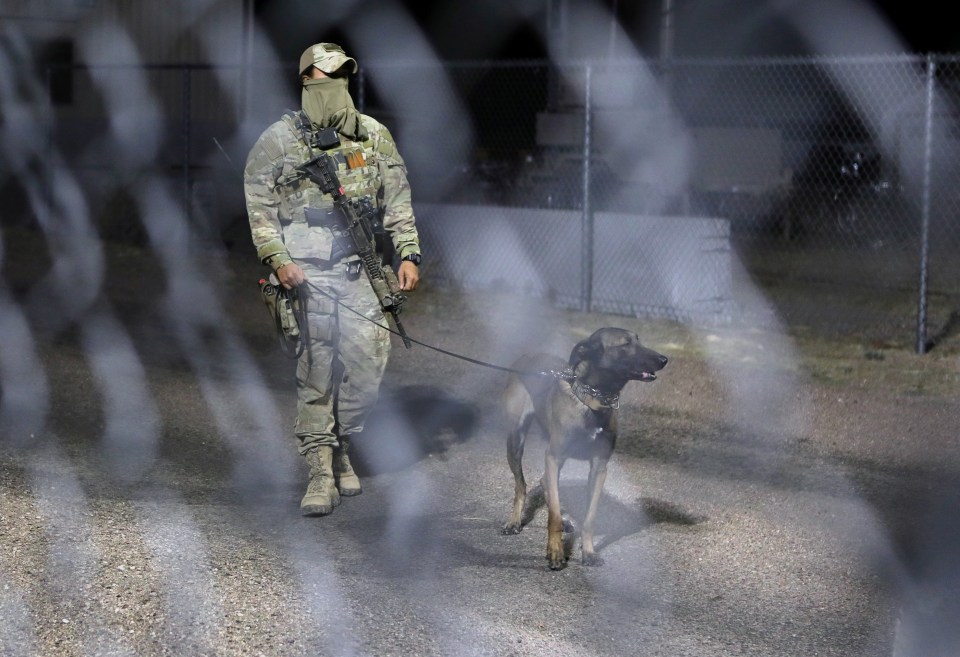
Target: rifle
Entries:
(356, 235)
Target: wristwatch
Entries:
(413, 257)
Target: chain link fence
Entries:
(648, 188)
(833, 178)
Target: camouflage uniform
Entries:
(339, 372)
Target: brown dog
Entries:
(575, 409)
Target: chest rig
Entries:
(312, 228)
(357, 174)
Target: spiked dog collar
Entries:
(586, 394)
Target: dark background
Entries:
(495, 29)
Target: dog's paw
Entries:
(591, 559)
(557, 561)
(557, 564)
(511, 528)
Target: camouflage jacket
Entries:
(277, 198)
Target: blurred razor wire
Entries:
(55, 197)
(71, 291)
(231, 383)
(70, 296)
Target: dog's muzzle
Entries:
(644, 375)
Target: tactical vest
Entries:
(358, 174)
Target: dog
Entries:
(575, 405)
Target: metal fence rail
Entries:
(835, 175)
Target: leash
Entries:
(566, 375)
(579, 388)
(299, 308)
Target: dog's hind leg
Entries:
(515, 458)
(519, 409)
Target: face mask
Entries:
(327, 103)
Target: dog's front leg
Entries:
(556, 556)
(595, 481)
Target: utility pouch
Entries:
(286, 309)
(288, 321)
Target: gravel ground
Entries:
(770, 495)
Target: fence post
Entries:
(925, 210)
(586, 222)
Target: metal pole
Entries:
(247, 57)
(612, 44)
(186, 146)
(586, 223)
(925, 211)
(557, 46)
(558, 29)
(361, 91)
(49, 123)
(667, 31)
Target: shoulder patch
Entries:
(273, 139)
(382, 140)
(272, 149)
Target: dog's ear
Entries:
(588, 349)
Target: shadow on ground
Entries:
(409, 423)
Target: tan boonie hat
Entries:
(328, 57)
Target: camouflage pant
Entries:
(339, 372)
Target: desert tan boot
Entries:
(348, 483)
(321, 496)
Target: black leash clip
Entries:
(353, 269)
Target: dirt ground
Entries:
(773, 493)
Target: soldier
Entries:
(341, 367)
